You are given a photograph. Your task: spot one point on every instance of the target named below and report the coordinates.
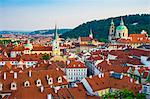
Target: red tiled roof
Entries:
(135, 38)
(76, 64)
(105, 82)
(83, 39)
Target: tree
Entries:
(140, 96)
(46, 57)
(123, 94)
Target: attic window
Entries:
(50, 81)
(13, 86)
(38, 82)
(59, 79)
(26, 84)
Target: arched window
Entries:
(123, 34)
(119, 34)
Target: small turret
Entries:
(91, 34)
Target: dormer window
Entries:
(38, 83)
(26, 83)
(50, 81)
(59, 79)
(1, 86)
(13, 86)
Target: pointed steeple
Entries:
(91, 33)
(121, 22)
(112, 22)
(56, 36)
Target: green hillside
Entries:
(135, 23)
(51, 31)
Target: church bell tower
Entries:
(111, 31)
(55, 44)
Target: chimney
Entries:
(15, 75)
(49, 96)
(99, 75)
(47, 77)
(121, 76)
(102, 74)
(131, 80)
(90, 76)
(137, 82)
(57, 69)
(1, 86)
(55, 90)
(42, 88)
(30, 73)
(5, 75)
(68, 62)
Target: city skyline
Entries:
(44, 14)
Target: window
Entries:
(26, 84)
(50, 81)
(59, 79)
(38, 82)
(13, 86)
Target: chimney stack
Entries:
(131, 80)
(49, 96)
(42, 88)
(99, 75)
(30, 73)
(5, 75)
(15, 75)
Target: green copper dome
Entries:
(121, 28)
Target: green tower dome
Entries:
(121, 28)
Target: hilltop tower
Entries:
(55, 44)
(111, 31)
(91, 34)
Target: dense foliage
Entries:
(123, 94)
(45, 57)
(135, 23)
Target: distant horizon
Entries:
(31, 15)
(66, 27)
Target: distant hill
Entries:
(44, 32)
(14, 32)
(135, 23)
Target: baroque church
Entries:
(120, 36)
(120, 32)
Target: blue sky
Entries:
(43, 14)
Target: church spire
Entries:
(91, 34)
(56, 36)
(121, 22)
